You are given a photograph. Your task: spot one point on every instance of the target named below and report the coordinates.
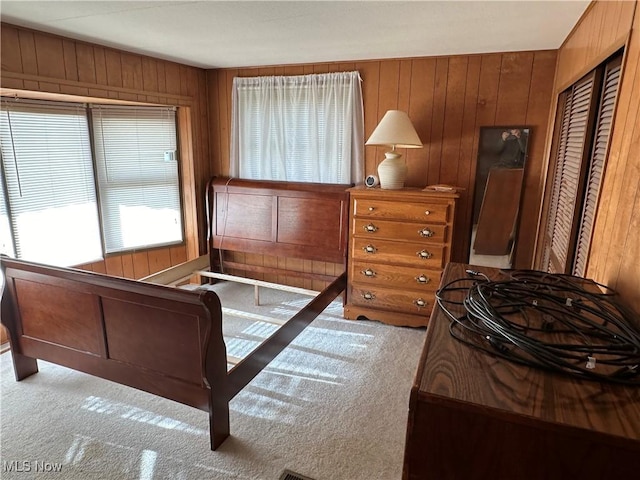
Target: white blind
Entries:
(6, 242)
(138, 184)
(306, 128)
(51, 193)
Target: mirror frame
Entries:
(489, 155)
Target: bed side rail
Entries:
(251, 365)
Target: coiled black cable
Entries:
(555, 322)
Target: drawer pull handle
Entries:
(422, 279)
(426, 232)
(427, 212)
(371, 228)
(369, 249)
(420, 303)
(368, 273)
(368, 296)
(424, 254)
(371, 209)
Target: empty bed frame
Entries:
(168, 341)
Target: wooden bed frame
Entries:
(168, 341)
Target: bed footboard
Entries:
(158, 339)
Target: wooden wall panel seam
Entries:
(27, 52)
(453, 122)
(437, 128)
(526, 110)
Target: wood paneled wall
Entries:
(614, 258)
(448, 100)
(603, 29)
(139, 264)
(40, 62)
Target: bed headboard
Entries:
(284, 219)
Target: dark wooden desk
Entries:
(474, 416)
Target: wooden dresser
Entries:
(474, 416)
(399, 242)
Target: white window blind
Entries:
(137, 174)
(306, 128)
(6, 241)
(46, 161)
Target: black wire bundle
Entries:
(555, 322)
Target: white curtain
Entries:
(306, 128)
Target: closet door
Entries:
(571, 153)
(597, 163)
(581, 144)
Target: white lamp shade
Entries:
(395, 130)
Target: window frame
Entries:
(183, 233)
(86, 105)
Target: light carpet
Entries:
(332, 406)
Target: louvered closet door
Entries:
(568, 181)
(562, 119)
(597, 163)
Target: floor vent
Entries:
(289, 475)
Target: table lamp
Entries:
(394, 130)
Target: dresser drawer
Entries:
(411, 254)
(387, 299)
(381, 275)
(411, 232)
(412, 211)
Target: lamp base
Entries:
(392, 171)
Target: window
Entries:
(47, 166)
(6, 239)
(306, 128)
(581, 141)
(57, 193)
(137, 175)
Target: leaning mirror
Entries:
(502, 153)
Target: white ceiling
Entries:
(220, 34)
